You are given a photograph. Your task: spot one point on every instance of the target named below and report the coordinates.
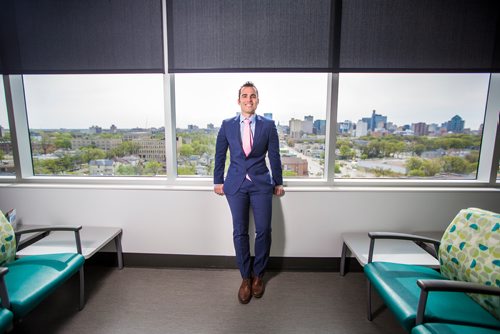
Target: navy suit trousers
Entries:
(249, 196)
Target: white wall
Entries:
(198, 222)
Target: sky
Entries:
(128, 101)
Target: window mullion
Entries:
(170, 132)
(488, 161)
(331, 121)
(18, 123)
(169, 105)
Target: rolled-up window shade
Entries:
(250, 35)
(75, 36)
(423, 35)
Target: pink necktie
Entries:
(247, 137)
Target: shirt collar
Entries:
(251, 118)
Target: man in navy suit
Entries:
(249, 184)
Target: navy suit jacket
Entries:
(265, 141)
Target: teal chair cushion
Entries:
(32, 278)
(5, 320)
(440, 328)
(396, 283)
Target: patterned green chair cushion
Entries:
(7, 241)
(470, 251)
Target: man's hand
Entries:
(219, 189)
(279, 190)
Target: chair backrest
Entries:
(470, 251)
(7, 241)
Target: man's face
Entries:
(248, 101)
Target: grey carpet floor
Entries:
(150, 300)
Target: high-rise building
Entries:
(94, 129)
(456, 124)
(345, 127)
(319, 127)
(375, 121)
(361, 128)
(295, 128)
(419, 129)
(307, 124)
(432, 128)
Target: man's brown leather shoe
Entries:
(257, 287)
(245, 292)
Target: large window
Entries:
(96, 125)
(6, 154)
(410, 125)
(296, 102)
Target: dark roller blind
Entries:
(249, 35)
(81, 36)
(407, 35)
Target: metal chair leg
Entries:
(82, 289)
(119, 254)
(342, 259)
(369, 301)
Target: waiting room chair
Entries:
(465, 292)
(30, 279)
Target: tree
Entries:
(287, 173)
(346, 152)
(186, 170)
(2, 154)
(337, 168)
(63, 140)
(416, 172)
(456, 165)
(89, 153)
(123, 149)
(472, 157)
(186, 150)
(46, 144)
(125, 170)
(418, 149)
(152, 168)
(431, 167)
(414, 164)
(54, 166)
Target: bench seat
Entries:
(31, 279)
(396, 284)
(439, 328)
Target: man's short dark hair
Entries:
(248, 84)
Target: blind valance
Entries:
(256, 35)
(75, 36)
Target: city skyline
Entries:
(215, 98)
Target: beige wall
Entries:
(197, 222)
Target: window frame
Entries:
(16, 109)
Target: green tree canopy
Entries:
(63, 140)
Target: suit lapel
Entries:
(258, 130)
(236, 130)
